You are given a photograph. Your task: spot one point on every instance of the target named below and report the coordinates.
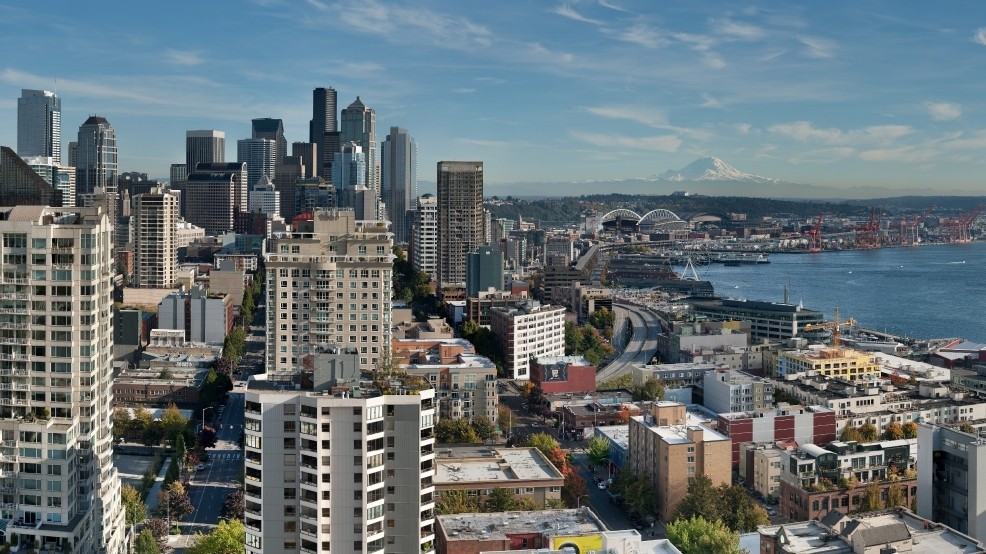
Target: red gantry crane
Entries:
(868, 236)
(815, 235)
(958, 227)
(909, 227)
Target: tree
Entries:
(456, 431)
(136, 510)
(159, 528)
(505, 419)
(483, 427)
(698, 535)
(146, 543)
(175, 497)
(850, 434)
(967, 428)
(173, 423)
(910, 430)
(868, 432)
(543, 442)
(142, 419)
(701, 501)
(727, 503)
(152, 434)
(893, 432)
(500, 500)
(598, 450)
(205, 438)
(895, 497)
(227, 538)
(652, 389)
(637, 493)
(871, 499)
(456, 502)
(122, 421)
(234, 505)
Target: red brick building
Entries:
(564, 374)
(802, 424)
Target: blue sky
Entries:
(831, 93)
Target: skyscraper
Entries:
(260, 156)
(59, 485)
(96, 164)
(154, 222)
(308, 153)
(460, 218)
(359, 125)
(349, 168)
(267, 128)
(324, 122)
(423, 250)
(484, 270)
(20, 184)
(59, 176)
(399, 180)
(214, 194)
(39, 124)
(204, 146)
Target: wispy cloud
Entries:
(565, 10)
(906, 154)
(647, 116)
(804, 131)
(736, 29)
(639, 34)
(743, 128)
(943, 111)
(703, 45)
(613, 6)
(463, 90)
(539, 52)
(817, 47)
(664, 143)
(485, 143)
(182, 57)
(823, 155)
(491, 80)
(979, 37)
(709, 101)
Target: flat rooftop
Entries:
(498, 526)
(618, 434)
(499, 465)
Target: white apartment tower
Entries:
(328, 283)
(333, 473)
(58, 485)
(423, 251)
(154, 223)
(264, 198)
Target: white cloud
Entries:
(649, 117)
(663, 143)
(463, 90)
(545, 54)
(567, 11)
(182, 57)
(804, 131)
(639, 34)
(613, 6)
(709, 101)
(817, 47)
(743, 128)
(735, 29)
(943, 111)
(823, 155)
(980, 36)
(903, 154)
(713, 60)
(405, 22)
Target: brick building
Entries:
(802, 424)
(564, 374)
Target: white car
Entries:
(200, 467)
(602, 485)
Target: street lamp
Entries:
(578, 501)
(203, 414)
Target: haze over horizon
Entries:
(843, 95)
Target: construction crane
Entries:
(815, 235)
(909, 227)
(958, 227)
(835, 326)
(868, 236)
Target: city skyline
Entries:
(843, 95)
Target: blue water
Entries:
(924, 292)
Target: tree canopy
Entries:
(229, 537)
(598, 450)
(697, 535)
(727, 503)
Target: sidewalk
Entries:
(151, 500)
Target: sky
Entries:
(840, 93)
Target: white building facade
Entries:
(533, 330)
(424, 237)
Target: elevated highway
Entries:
(646, 326)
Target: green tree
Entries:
(871, 499)
(136, 510)
(483, 428)
(698, 535)
(229, 537)
(543, 442)
(910, 430)
(895, 497)
(455, 431)
(175, 497)
(146, 543)
(598, 450)
(740, 513)
(173, 423)
(122, 421)
(456, 502)
(152, 434)
(142, 419)
(868, 432)
(967, 428)
(652, 389)
(893, 431)
(702, 500)
(850, 434)
(500, 500)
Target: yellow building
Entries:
(846, 363)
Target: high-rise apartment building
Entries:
(399, 180)
(529, 331)
(338, 472)
(39, 124)
(214, 193)
(20, 184)
(59, 486)
(260, 157)
(460, 217)
(359, 125)
(423, 250)
(96, 158)
(950, 490)
(328, 283)
(264, 198)
(59, 176)
(484, 271)
(206, 146)
(154, 223)
(273, 129)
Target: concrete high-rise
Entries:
(97, 163)
(58, 485)
(327, 255)
(206, 146)
(324, 123)
(39, 124)
(214, 193)
(260, 156)
(460, 218)
(154, 222)
(308, 153)
(484, 271)
(271, 129)
(399, 180)
(423, 249)
(264, 197)
(359, 125)
(20, 184)
(332, 470)
(59, 176)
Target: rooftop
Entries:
(678, 434)
(618, 434)
(502, 464)
(498, 526)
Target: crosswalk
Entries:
(225, 456)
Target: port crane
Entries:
(815, 235)
(909, 227)
(958, 227)
(835, 326)
(868, 236)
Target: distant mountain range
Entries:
(706, 175)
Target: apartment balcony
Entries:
(14, 358)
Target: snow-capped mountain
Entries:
(708, 168)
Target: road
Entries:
(643, 341)
(208, 488)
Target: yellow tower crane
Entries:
(835, 326)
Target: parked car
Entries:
(602, 486)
